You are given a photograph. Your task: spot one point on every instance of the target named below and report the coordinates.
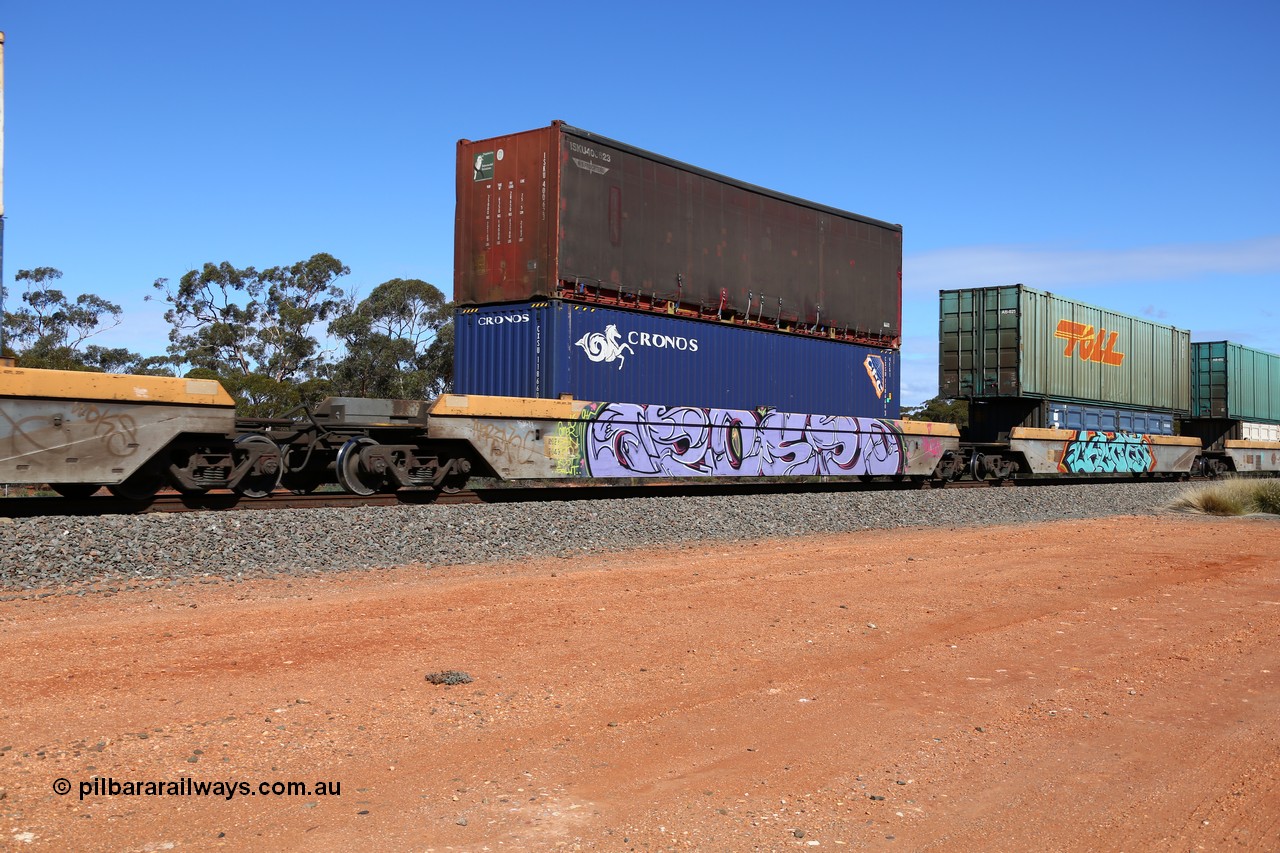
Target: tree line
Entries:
(275, 338)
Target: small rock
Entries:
(462, 821)
(449, 677)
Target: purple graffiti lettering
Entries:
(630, 440)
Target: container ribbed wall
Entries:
(551, 348)
(1014, 341)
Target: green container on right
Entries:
(1234, 382)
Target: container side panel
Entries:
(505, 220)
(595, 353)
(1252, 383)
(650, 227)
(1024, 342)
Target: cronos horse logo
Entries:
(607, 347)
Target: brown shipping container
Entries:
(561, 212)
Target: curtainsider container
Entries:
(1015, 342)
(560, 212)
(1234, 382)
(554, 348)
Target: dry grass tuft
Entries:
(1232, 497)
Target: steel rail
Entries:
(103, 503)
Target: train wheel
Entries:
(75, 491)
(142, 485)
(264, 476)
(978, 467)
(352, 475)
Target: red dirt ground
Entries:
(1083, 685)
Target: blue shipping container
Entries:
(551, 349)
(1080, 416)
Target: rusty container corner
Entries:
(560, 212)
(1015, 343)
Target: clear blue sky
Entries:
(1126, 154)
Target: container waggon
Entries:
(1057, 386)
(135, 435)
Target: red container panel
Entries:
(560, 212)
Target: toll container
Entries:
(560, 212)
(1234, 382)
(554, 348)
(1016, 342)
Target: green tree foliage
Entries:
(939, 410)
(399, 343)
(50, 329)
(255, 330)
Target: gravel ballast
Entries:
(98, 553)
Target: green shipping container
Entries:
(1234, 382)
(1013, 341)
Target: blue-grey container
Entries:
(552, 349)
(1082, 416)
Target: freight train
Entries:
(624, 316)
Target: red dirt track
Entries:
(1082, 685)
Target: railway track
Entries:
(103, 503)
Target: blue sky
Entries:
(1123, 154)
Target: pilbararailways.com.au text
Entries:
(186, 786)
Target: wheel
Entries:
(978, 467)
(75, 491)
(142, 485)
(351, 474)
(261, 479)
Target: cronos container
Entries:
(1015, 342)
(1234, 382)
(555, 348)
(559, 212)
